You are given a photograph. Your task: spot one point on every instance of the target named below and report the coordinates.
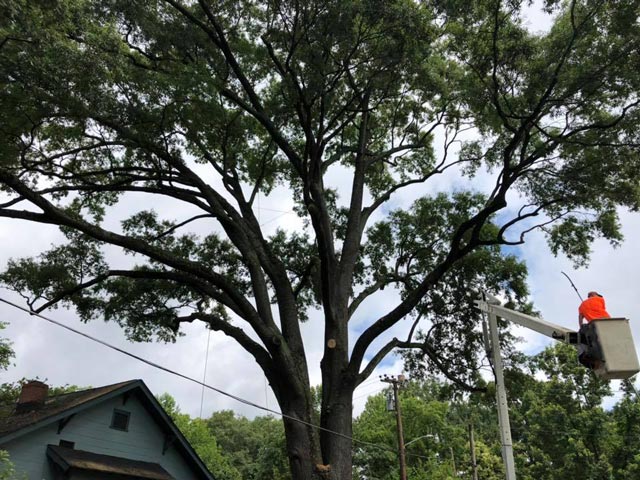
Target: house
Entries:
(114, 432)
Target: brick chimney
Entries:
(33, 395)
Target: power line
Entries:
(203, 384)
(376, 390)
(275, 210)
(235, 397)
(274, 218)
(368, 382)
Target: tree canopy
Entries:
(203, 107)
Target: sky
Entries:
(59, 357)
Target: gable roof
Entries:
(60, 407)
(13, 422)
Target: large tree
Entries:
(211, 104)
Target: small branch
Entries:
(366, 293)
(182, 224)
(522, 216)
(304, 278)
(12, 202)
(377, 358)
(413, 328)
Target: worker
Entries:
(593, 308)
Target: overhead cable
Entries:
(203, 384)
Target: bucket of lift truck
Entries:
(609, 343)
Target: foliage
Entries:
(234, 447)
(435, 432)
(112, 106)
(559, 426)
(6, 352)
(625, 436)
(255, 447)
(7, 471)
(197, 433)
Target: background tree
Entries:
(209, 104)
(234, 447)
(202, 440)
(435, 431)
(559, 424)
(255, 447)
(626, 434)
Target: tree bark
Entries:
(301, 449)
(337, 398)
(337, 449)
(318, 453)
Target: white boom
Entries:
(533, 323)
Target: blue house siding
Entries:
(90, 430)
(28, 454)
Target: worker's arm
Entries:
(580, 319)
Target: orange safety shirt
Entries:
(592, 308)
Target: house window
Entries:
(120, 420)
(67, 444)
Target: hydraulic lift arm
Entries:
(539, 325)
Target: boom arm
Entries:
(537, 324)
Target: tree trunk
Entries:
(307, 459)
(336, 449)
(316, 454)
(301, 450)
(302, 440)
(337, 395)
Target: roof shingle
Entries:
(12, 421)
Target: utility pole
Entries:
(397, 382)
(492, 340)
(472, 446)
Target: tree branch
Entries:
(261, 356)
(57, 216)
(181, 224)
(433, 356)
